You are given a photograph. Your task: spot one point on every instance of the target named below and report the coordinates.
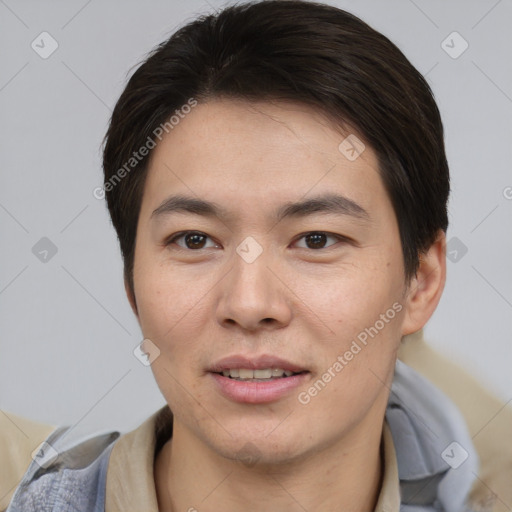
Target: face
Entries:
(294, 263)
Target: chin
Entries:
(256, 449)
(255, 455)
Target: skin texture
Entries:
(301, 303)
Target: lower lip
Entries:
(258, 392)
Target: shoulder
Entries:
(19, 437)
(65, 474)
(488, 418)
(437, 462)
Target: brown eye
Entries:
(193, 240)
(318, 240)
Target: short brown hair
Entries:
(294, 50)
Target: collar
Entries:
(436, 458)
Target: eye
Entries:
(317, 239)
(196, 240)
(192, 239)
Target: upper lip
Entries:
(260, 362)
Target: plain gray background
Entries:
(67, 332)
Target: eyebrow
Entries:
(327, 203)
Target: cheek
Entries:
(173, 314)
(364, 311)
(357, 365)
(352, 299)
(166, 299)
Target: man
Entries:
(277, 178)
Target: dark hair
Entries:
(293, 50)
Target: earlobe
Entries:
(426, 287)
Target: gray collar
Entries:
(437, 462)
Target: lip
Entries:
(255, 363)
(257, 392)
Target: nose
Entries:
(254, 295)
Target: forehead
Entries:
(249, 153)
(258, 126)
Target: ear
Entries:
(131, 298)
(425, 289)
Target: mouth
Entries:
(255, 380)
(262, 375)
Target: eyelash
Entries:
(172, 239)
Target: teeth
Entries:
(233, 373)
(263, 374)
(247, 374)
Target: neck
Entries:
(345, 475)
